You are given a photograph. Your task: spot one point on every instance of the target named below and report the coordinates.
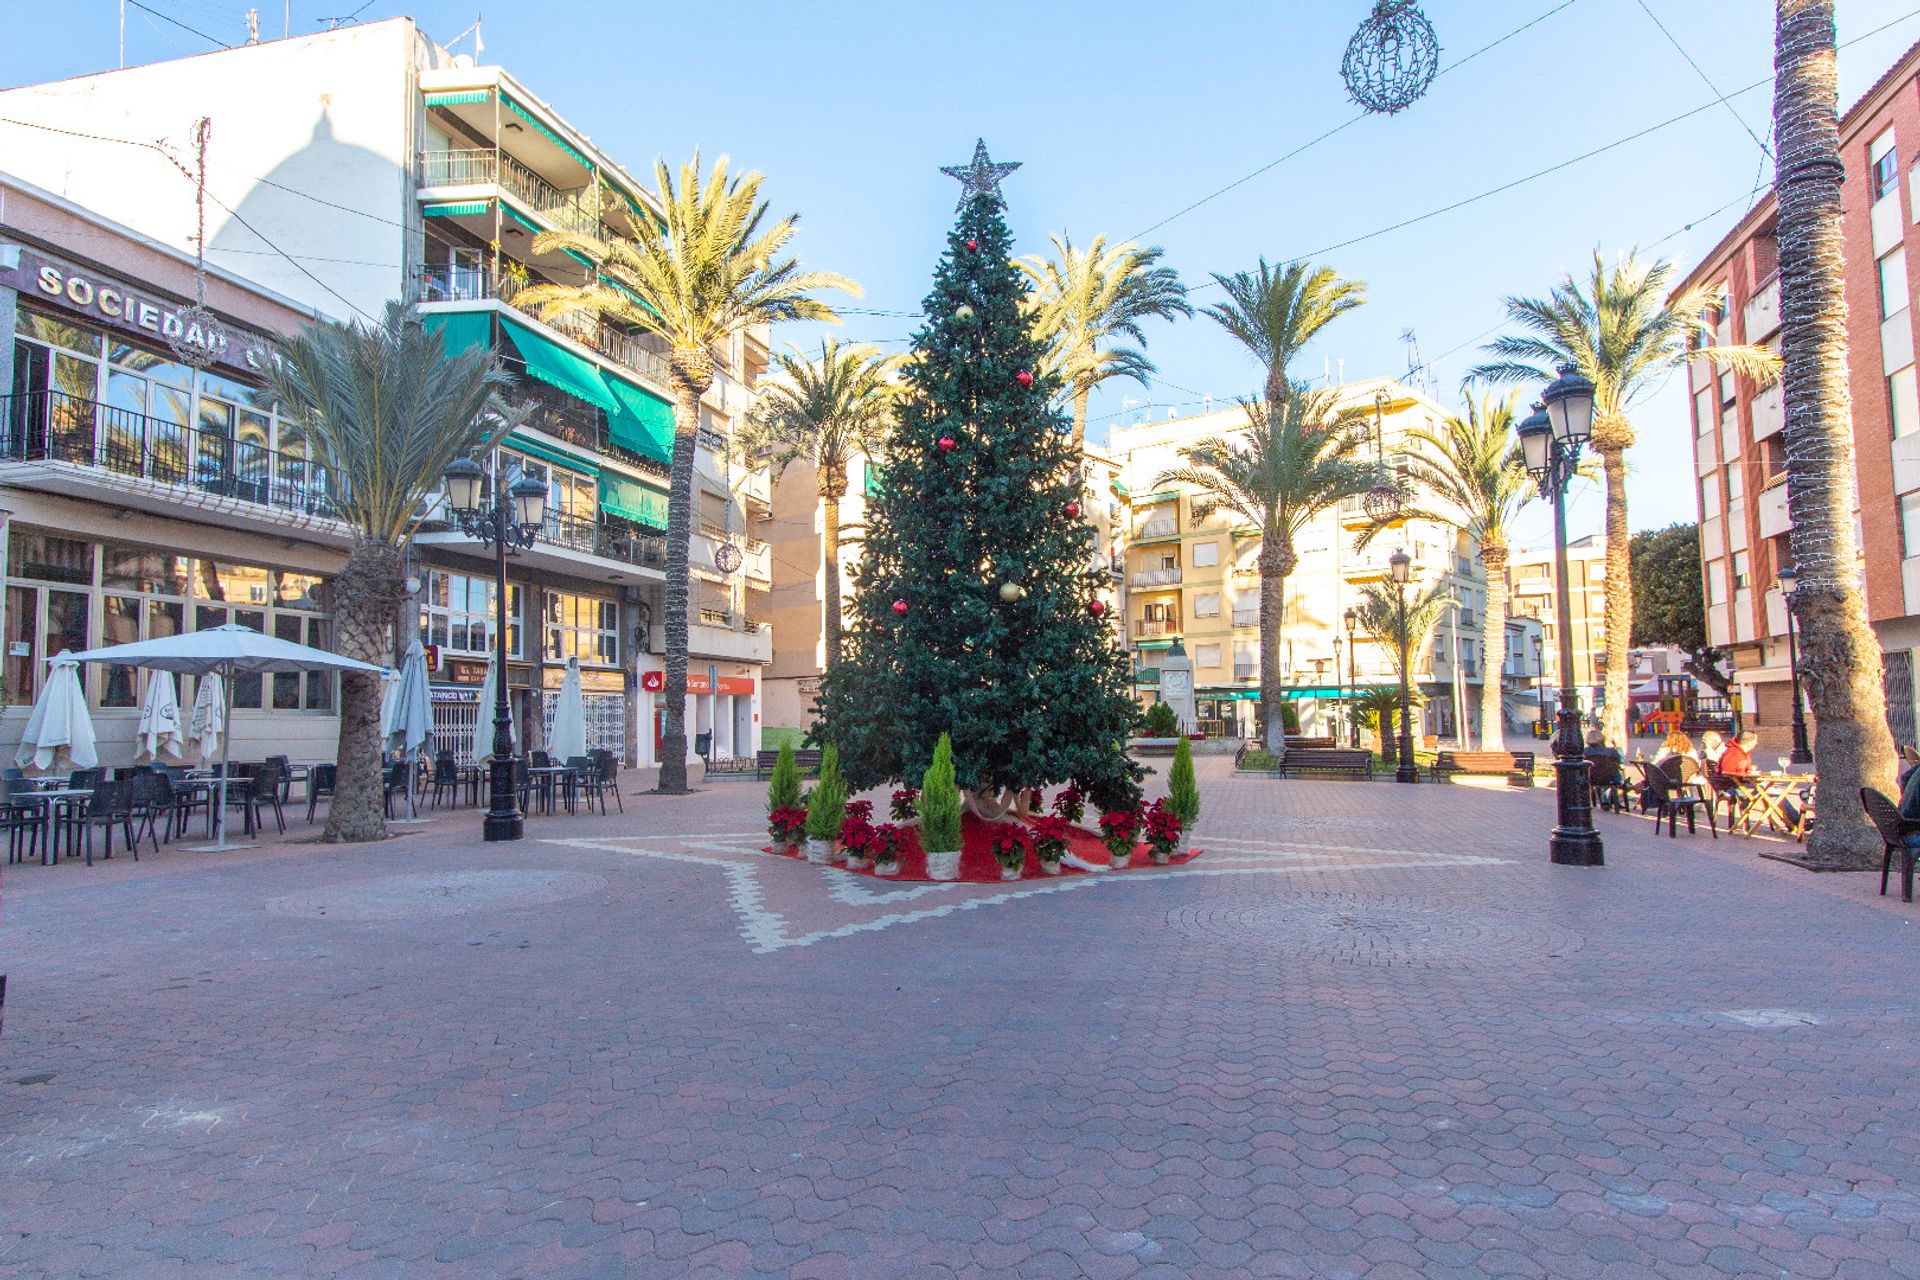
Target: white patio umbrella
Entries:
(409, 721)
(483, 724)
(207, 726)
(568, 737)
(161, 732)
(224, 652)
(59, 733)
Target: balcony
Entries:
(1769, 412)
(1247, 617)
(1155, 628)
(1762, 312)
(1772, 506)
(1246, 671)
(1158, 528)
(728, 636)
(608, 537)
(83, 448)
(1165, 577)
(577, 210)
(1148, 676)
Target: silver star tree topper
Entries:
(982, 177)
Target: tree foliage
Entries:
(1669, 597)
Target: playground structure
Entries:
(1678, 704)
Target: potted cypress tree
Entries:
(826, 810)
(940, 814)
(783, 797)
(1183, 793)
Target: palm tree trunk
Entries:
(1493, 649)
(830, 565)
(1276, 562)
(1277, 386)
(692, 375)
(1081, 393)
(1619, 598)
(1840, 659)
(366, 596)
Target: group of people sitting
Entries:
(1728, 764)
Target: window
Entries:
(1893, 283)
(1702, 412)
(1207, 605)
(583, 627)
(1206, 553)
(1717, 582)
(1206, 655)
(1909, 528)
(1710, 496)
(1884, 163)
(458, 614)
(1727, 387)
(1736, 488)
(1903, 405)
(1742, 578)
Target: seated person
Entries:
(1597, 748)
(1677, 744)
(1712, 747)
(1737, 760)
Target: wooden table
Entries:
(1764, 797)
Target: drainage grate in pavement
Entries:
(425, 894)
(1355, 929)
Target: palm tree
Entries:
(1470, 467)
(1379, 611)
(828, 411)
(1376, 708)
(1274, 314)
(1839, 657)
(708, 269)
(1082, 300)
(1294, 460)
(385, 409)
(1621, 329)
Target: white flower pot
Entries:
(821, 852)
(789, 848)
(1122, 859)
(1158, 858)
(889, 867)
(858, 862)
(1010, 873)
(1050, 866)
(944, 865)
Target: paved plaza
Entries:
(1370, 1032)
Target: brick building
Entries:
(1738, 445)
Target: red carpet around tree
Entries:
(977, 864)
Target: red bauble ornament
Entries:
(899, 606)
(946, 444)
(1073, 510)
(973, 244)
(1097, 607)
(1024, 378)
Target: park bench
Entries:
(808, 760)
(1516, 766)
(1309, 744)
(1330, 760)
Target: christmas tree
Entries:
(977, 610)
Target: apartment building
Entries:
(1739, 451)
(1531, 584)
(355, 167)
(1198, 581)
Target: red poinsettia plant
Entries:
(1050, 837)
(1069, 804)
(788, 824)
(1163, 829)
(906, 803)
(885, 844)
(861, 809)
(1119, 829)
(856, 833)
(1012, 842)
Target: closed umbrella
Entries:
(161, 732)
(207, 728)
(59, 733)
(223, 653)
(411, 719)
(483, 724)
(569, 735)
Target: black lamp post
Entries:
(1551, 438)
(1401, 566)
(1800, 754)
(1339, 679)
(505, 522)
(1352, 620)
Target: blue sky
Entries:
(1127, 112)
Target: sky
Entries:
(1127, 114)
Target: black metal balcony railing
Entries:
(614, 540)
(442, 282)
(51, 426)
(577, 210)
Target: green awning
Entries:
(457, 208)
(1151, 498)
(545, 132)
(1119, 489)
(458, 97)
(460, 330)
(625, 496)
(556, 366)
(874, 481)
(641, 421)
(552, 453)
(1153, 644)
(536, 228)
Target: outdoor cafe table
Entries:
(548, 775)
(1765, 800)
(45, 799)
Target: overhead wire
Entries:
(1704, 78)
(176, 22)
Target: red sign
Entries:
(653, 681)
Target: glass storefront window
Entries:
(46, 558)
(582, 627)
(124, 568)
(457, 615)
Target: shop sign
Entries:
(462, 694)
(653, 681)
(736, 685)
(591, 680)
(126, 308)
(474, 671)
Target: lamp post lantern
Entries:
(1401, 566)
(1550, 440)
(1788, 580)
(505, 521)
(1352, 620)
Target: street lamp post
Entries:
(1545, 730)
(1551, 438)
(1401, 565)
(1352, 620)
(1340, 679)
(1800, 754)
(505, 522)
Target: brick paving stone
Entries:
(1371, 1032)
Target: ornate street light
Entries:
(1789, 581)
(1400, 565)
(1352, 620)
(507, 522)
(1550, 441)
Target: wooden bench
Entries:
(808, 760)
(1310, 744)
(1335, 760)
(1516, 766)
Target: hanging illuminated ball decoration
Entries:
(946, 444)
(1012, 592)
(899, 606)
(726, 557)
(1073, 510)
(1024, 378)
(963, 313)
(1392, 57)
(1382, 503)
